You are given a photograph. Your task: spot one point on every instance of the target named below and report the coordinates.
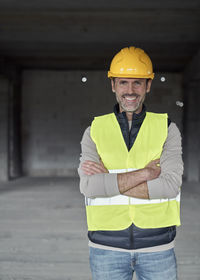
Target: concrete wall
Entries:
(192, 119)
(166, 93)
(57, 107)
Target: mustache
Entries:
(130, 95)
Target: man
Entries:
(130, 173)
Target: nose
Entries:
(130, 88)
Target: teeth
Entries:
(130, 99)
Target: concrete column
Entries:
(192, 120)
(4, 92)
(10, 123)
(14, 118)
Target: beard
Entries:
(130, 102)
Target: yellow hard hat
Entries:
(131, 63)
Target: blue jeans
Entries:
(113, 265)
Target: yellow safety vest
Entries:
(119, 212)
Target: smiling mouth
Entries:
(130, 98)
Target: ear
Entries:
(113, 85)
(149, 85)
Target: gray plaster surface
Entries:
(43, 233)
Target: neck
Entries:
(129, 116)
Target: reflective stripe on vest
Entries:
(119, 212)
(123, 199)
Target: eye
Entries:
(137, 83)
(123, 82)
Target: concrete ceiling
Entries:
(75, 34)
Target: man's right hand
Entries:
(153, 169)
(90, 167)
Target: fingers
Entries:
(92, 168)
(154, 163)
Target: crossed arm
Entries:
(131, 183)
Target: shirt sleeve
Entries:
(99, 185)
(168, 184)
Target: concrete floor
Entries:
(43, 233)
